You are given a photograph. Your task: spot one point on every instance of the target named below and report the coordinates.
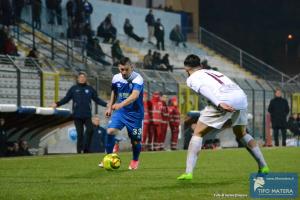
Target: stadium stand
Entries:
(39, 82)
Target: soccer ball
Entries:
(111, 162)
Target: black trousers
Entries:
(81, 144)
(135, 37)
(276, 134)
(160, 42)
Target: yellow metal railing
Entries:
(296, 103)
(188, 100)
(55, 78)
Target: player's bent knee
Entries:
(239, 131)
(202, 129)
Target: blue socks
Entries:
(110, 143)
(136, 147)
(136, 150)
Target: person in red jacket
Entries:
(10, 47)
(174, 121)
(165, 121)
(156, 120)
(146, 143)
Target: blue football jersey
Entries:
(123, 89)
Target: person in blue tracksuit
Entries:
(82, 95)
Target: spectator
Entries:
(23, 148)
(106, 30)
(128, 30)
(293, 124)
(150, 20)
(10, 47)
(16, 149)
(10, 150)
(3, 38)
(79, 14)
(174, 121)
(6, 12)
(165, 122)
(32, 55)
(18, 6)
(36, 13)
(156, 61)
(116, 52)
(177, 36)
(279, 110)
(165, 61)
(159, 33)
(51, 6)
(54, 8)
(95, 51)
(146, 143)
(88, 10)
(155, 122)
(3, 138)
(87, 31)
(70, 13)
(82, 94)
(99, 136)
(148, 60)
(58, 11)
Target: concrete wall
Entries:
(135, 14)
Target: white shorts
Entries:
(212, 117)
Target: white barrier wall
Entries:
(135, 14)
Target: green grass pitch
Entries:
(78, 176)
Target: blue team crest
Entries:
(118, 84)
(130, 85)
(86, 91)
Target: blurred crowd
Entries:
(8, 148)
(78, 24)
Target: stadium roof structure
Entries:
(30, 122)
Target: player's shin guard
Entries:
(254, 150)
(193, 151)
(110, 143)
(136, 150)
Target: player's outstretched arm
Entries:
(97, 99)
(64, 100)
(134, 95)
(226, 107)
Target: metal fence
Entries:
(244, 59)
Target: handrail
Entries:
(241, 57)
(66, 45)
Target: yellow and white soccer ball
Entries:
(111, 161)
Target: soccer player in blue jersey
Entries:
(126, 109)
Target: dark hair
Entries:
(124, 61)
(192, 61)
(82, 73)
